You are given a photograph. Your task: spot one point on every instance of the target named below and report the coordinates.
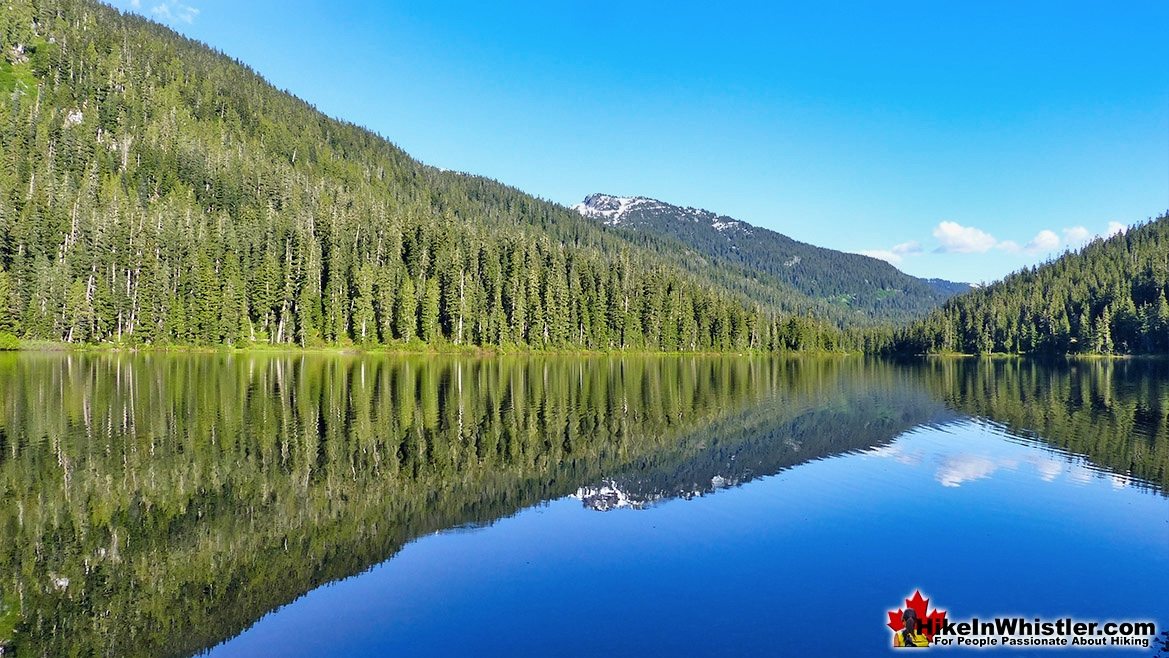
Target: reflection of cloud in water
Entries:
(961, 468)
(956, 468)
(898, 453)
(1079, 474)
(1049, 469)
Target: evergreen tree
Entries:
(429, 312)
(406, 318)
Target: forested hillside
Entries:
(153, 191)
(1108, 298)
(849, 288)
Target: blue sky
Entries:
(956, 140)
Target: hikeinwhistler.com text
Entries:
(1022, 632)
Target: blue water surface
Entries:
(807, 561)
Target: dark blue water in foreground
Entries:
(994, 490)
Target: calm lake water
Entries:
(375, 505)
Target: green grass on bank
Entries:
(11, 343)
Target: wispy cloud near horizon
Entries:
(172, 10)
(897, 253)
(164, 11)
(954, 238)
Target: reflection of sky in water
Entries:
(966, 456)
(982, 522)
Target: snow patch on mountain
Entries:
(616, 210)
(612, 209)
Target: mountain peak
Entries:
(609, 209)
(623, 210)
(808, 279)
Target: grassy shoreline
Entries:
(355, 350)
(997, 356)
(419, 348)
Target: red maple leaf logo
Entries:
(930, 623)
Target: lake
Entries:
(166, 505)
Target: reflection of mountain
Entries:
(1115, 415)
(155, 505)
(855, 409)
(165, 503)
(609, 495)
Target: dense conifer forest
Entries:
(1108, 298)
(155, 192)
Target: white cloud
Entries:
(173, 10)
(882, 254)
(895, 254)
(958, 239)
(1009, 246)
(1045, 240)
(954, 238)
(1076, 235)
(907, 248)
(135, 4)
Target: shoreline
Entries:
(43, 347)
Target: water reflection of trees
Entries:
(154, 505)
(1114, 413)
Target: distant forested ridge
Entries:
(155, 192)
(1108, 298)
(850, 289)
